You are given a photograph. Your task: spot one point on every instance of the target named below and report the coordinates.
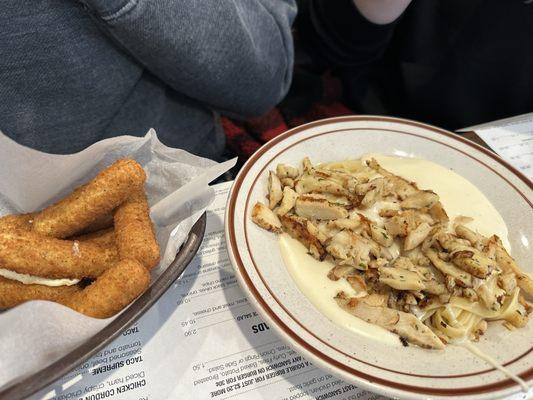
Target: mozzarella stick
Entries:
(101, 223)
(93, 201)
(16, 222)
(33, 254)
(112, 291)
(13, 293)
(134, 231)
(104, 238)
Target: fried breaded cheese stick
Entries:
(33, 254)
(112, 291)
(13, 293)
(104, 237)
(134, 231)
(100, 224)
(15, 222)
(110, 188)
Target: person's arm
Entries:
(235, 56)
(350, 33)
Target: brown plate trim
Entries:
(231, 210)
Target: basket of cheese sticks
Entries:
(82, 237)
(91, 251)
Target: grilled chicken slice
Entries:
(400, 279)
(417, 236)
(347, 245)
(286, 171)
(405, 325)
(288, 201)
(376, 300)
(434, 287)
(404, 263)
(327, 229)
(351, 183)
(378, 262)
(297, 228)
(346, 223)
(401, 187)
(450, 242)
(357, 283)
(287, 182)
(401, 224)
(388, 212)
(425, 274)
(421, 199)
(460, 276)
(396, 184)
(265, 218)
(417, 257)
(385, 253)
(514, 311)
(472, 261)
(507, 282)
(316, 232)
(340, 271)
(475, 239)
(363, 188)
(306, 164)
(373, 164)
(381, 236)
(338, 177)
(489, 292)
(342, 243)
(275, 193)
(371, 192)
(438, 213)
(370, 198)
(309, 183)
(508, 264)
(332, 198)
(313, 208)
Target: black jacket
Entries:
(452, 63)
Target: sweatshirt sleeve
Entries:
(235, 56)
(337, 33)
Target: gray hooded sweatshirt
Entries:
(73, 73)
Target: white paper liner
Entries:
(37, 333)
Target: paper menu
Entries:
(201, 340)
(512, 139)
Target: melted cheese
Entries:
(36, 280)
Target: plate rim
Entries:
(366, 380)
(28, 385)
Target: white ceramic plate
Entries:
(406, 372)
